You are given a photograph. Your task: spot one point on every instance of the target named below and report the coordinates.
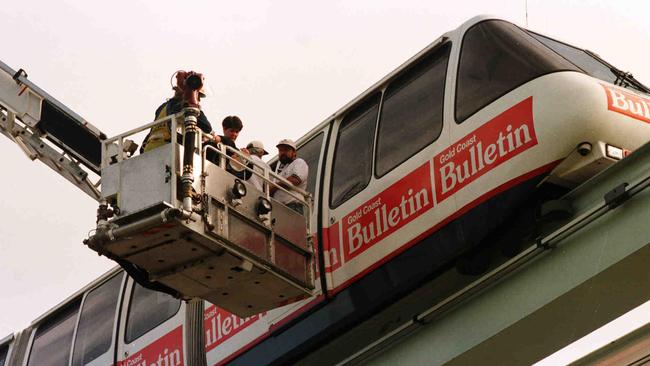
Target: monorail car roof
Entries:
(450, 35)
(78, 293)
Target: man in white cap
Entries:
(293, 169)
(256, 149)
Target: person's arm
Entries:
(294, 179)
(298, 171)
(301, 171)
(206, 127)
(203, 123)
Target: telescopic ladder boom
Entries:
(47, 130)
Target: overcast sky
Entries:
(282, 66)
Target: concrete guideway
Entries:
(594, 273)
(630, 349)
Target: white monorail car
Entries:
(438, 170)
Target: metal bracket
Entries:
(541, 244)
(168, 173)
(617, 196)
(18, 74)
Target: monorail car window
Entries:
(353, 154)
(95, 329)
(582, 59)
(147, 310)
(411, 113)
(53, 338)
(310, 152)
(4, 350)
(495, 58)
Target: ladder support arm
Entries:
(45, 129)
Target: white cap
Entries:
(257, 144)
(287, 142)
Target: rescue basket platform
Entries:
(228, 243)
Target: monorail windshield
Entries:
(497, 57)
(592, 64)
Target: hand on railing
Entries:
(212, 136)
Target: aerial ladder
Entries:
(179, 218)
(46, 130)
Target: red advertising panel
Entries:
(382, 215)
(221, 325)
(627, 103)
(332, 250)
(497, 141)
(167, 351)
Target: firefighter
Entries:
(160, 134)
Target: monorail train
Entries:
(431, 177)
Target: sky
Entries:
(282, 66)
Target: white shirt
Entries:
(255, 179)
(297, 167)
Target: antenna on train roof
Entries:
(526, 6)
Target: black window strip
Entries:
(353, 116)
(405, 78)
